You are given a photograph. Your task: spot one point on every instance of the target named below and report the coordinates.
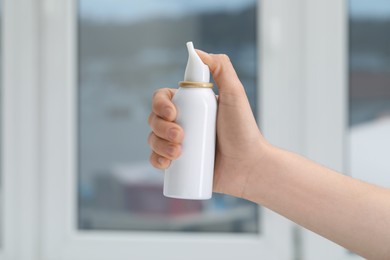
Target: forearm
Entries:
(349, 212)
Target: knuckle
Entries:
(157, 100)
(151, 157)
(173, 134)
(164, 147)
(160, 107)
(150, 137)
(158, 126)
(156, 104)
(168, 131)
(150, 118)
(153, 160)
(223, 58)
(155, 93)
(154, 142)
(158, 145)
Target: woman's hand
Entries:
(240, 144)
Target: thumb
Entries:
(223, 72)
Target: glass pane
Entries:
(369, 91)
(128, 49)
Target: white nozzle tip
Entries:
(196, 70)
(190, 46)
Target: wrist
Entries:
(260, 175)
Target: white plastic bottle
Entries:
(191, 175)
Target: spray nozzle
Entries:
(196, 70)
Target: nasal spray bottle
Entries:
(191, 175)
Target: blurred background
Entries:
(128, 49)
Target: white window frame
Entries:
(39, 109)
(20, 164)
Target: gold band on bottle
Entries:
(190, 84)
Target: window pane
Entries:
(128, 49)
(369, 91)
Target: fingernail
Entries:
(170, 150)
(161, 160)
(172, 134)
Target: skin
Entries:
(352, 213)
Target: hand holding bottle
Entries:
(239, 142)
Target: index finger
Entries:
(162, 104)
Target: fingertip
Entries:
(163, 162)
(159, 161)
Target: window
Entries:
(85, 63)
(95, 92)
(128, 49)
(74, 89)
(369, 91)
